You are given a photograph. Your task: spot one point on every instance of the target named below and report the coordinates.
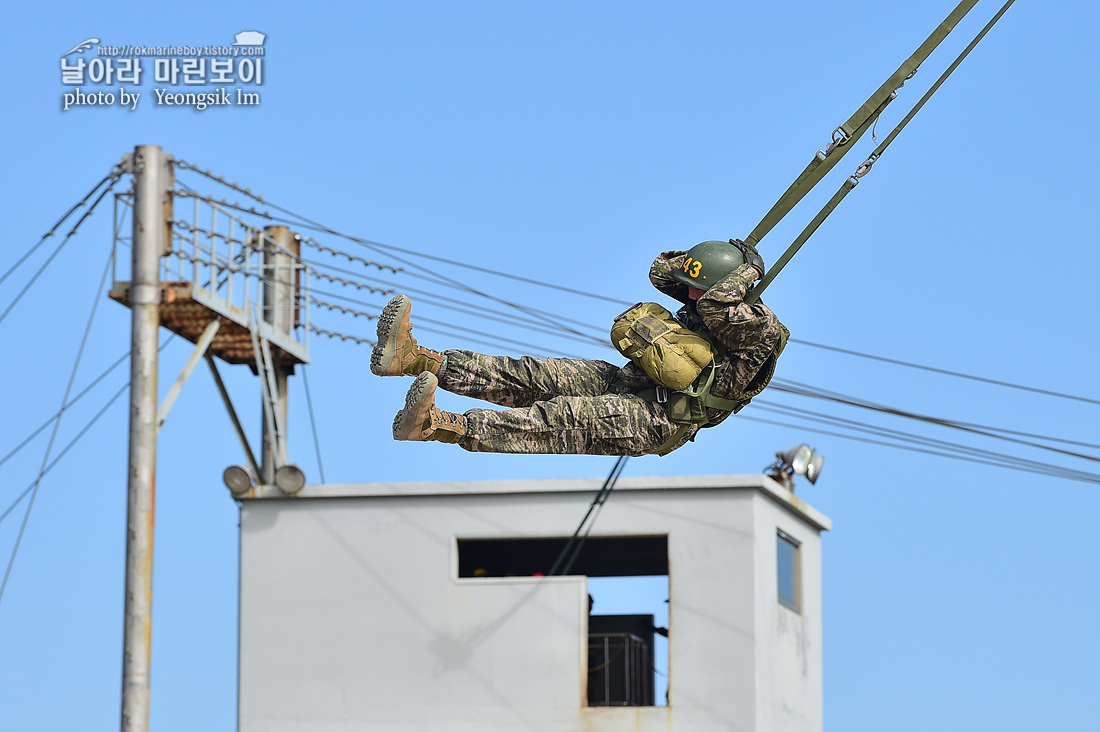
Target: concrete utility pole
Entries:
(152, 180)
(281, 250)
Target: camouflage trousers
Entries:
(557, 406)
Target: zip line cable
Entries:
(114, 179)
(794, 387)
(57, 423)
(342, 336)
(572, 548)
(968, 424)
(496, 340)
(946, 372)
(1063, 440)
(1048, 470)
(60, 221)
(955, 447)
(480, 337)
(311, 242)
(508, 319)
(942, 423)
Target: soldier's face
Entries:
(695, 293)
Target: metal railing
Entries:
(228, 261)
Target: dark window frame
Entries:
(788, 555)
(600, 556)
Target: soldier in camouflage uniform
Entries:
(577, 406)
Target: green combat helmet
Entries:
(707, 263)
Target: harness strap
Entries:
(660, 395)
(811, 227)
(677, 434)
(865, 167)
(849, 132)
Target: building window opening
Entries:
(628, 622)
(789, 571)
(628, 640)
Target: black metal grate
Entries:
(619, 671)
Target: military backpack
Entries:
(670, 354)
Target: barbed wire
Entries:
(310, 241)
(349, 283)
(341, 336)
(189, 192)
(342, 309)
(180, 163)
(511, 320)
(480, 311)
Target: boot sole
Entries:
(390, 321)
(410, 420)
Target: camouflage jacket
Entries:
(749, 333)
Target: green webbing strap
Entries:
(726, 405)
(877, 153)
(909, 67)
(848, 133)
(818, 168)
(677, 434)
(865, 166)
(811, 227)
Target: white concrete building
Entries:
(414, 606)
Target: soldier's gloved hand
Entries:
(751, 255)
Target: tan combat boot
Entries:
(421, 420)
(397, 352)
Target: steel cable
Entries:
(60, 246)
(57, 423)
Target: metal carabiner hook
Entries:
(865, 167)
(840, 137)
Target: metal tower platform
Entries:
(187, 311)
(218, 267)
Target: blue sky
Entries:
(571, 142)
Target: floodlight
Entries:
(814, 468)
(236, 479)
(801, 460)
(797, 458)
(289, 479)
